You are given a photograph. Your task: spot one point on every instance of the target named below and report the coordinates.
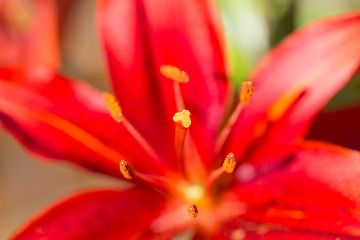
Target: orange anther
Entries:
(192, 210)
(247, 89)
(126, 169)
(183, 117)
(229, 163)
(113, 106)
(174, 73)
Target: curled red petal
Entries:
(313, 188)
(29, 33)
(296, 79)
(98, 214)
(139, 37)
(60, 119)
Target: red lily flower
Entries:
(283, 186)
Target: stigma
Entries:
(113, 106)
(126, 169)
(174, 73)
(247, 89)
(192, 210)
(183, 118)
(229, 163)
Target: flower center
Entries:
(194, 187)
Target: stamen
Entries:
(113, 106)
(178, 76)
(182, 123)
(126, 169)
(229, 163)
(192, 210)
(174, 73)
(116, 113)
(247, 89)
(228, 166)
(161, 183)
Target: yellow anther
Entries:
(113, 106)
(183, 117)
(229, 163)
(174, 73)
(247, 89)
(192, 210)
(126, 169)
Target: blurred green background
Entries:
(252, 28)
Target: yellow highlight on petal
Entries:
(287, 213)
(113, 106)
(174, 73)
(229, 163)
(277, 110)
(183, 117)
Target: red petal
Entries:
(295, 80)
(235, 230)
(139, 37)
(59, 119)
(102, 214)
(340, 127)
(315, 188)
(28, 33)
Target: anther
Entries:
(247, 89)
(113, 106)
(126, 169)
(192, 210)
(174, 73)
(183, 117)
(229, 163)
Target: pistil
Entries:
(246, 92)
(116, 113)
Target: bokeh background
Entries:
(252, 28)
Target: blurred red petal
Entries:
(100, 214)
(139, 39)
(314, 188)
(66, 120)
(28, 33)
(340, 127)
(295, 80)
(236, 230)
